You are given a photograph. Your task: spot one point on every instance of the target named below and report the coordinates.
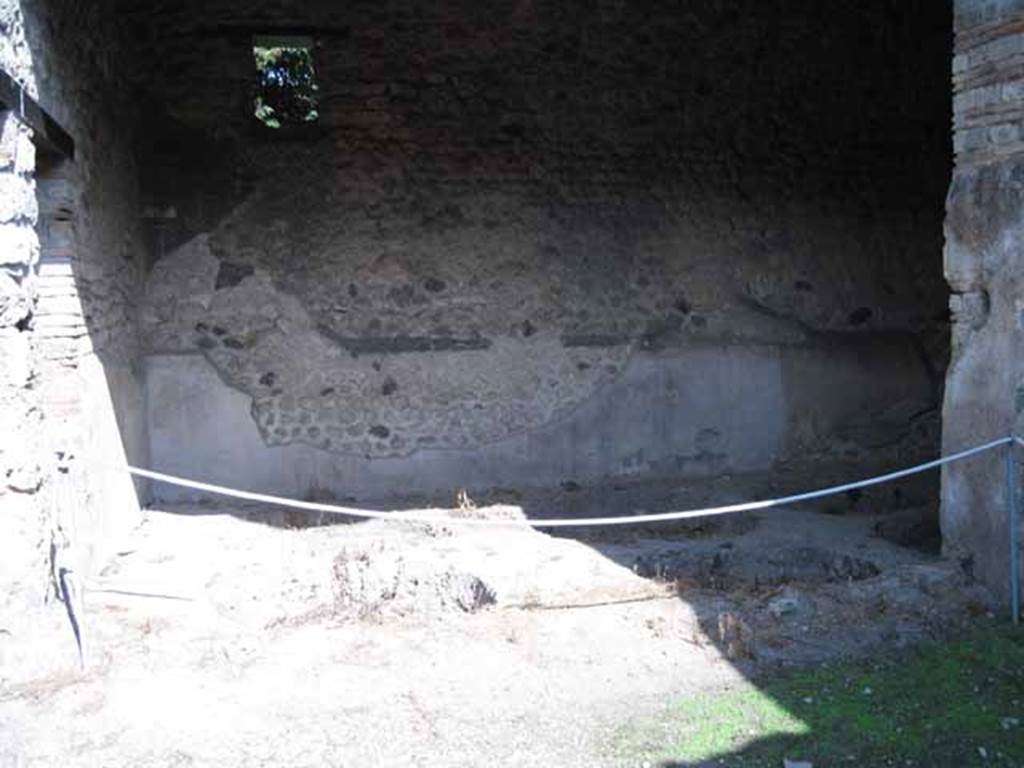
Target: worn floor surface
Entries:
(227, 638)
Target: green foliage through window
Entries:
(286, 88)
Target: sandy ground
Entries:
(229, 639)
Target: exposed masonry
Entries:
(382, 395)
(485, 227)
(23, 519)
(70, 269)
(988, 79)
(983, 264)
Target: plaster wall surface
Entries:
(983, 264)
(511, 219)
(664, 415)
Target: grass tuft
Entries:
(950, 704)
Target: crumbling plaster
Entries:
(500, 210)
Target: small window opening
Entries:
(286, 87)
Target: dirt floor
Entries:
(226, 637)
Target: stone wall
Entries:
(983, 263)
(507, 212)
(21, 476)
(71, 260)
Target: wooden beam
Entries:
(47, 132)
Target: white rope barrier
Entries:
(663, 517)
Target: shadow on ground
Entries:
(942, 705)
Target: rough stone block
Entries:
(1005, 133)
(15, 301)
(19, 244)
(16, 354)
(17, 199)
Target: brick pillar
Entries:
(984, 265)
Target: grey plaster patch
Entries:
(684, 413)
